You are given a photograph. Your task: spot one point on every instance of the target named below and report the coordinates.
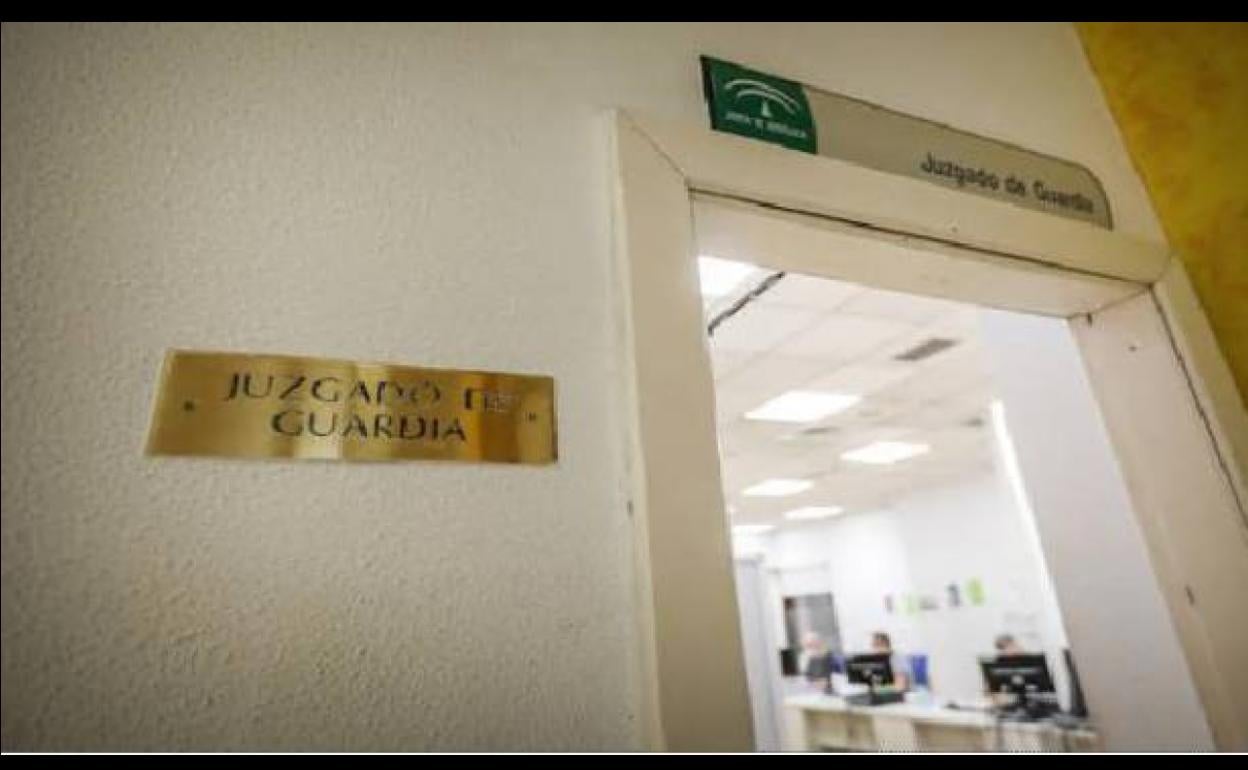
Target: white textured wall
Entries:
(419, 194)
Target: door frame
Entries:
(897, 233)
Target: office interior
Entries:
(872, 486)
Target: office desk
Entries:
(828, 723)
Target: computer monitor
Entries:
(788, 662)
(1026, 677)
(1078, 706)
(874, 669)
(819, 667)
(1019, 674)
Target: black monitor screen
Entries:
(1019, 674)
(788, 662)
(870, 669)
(819, 667)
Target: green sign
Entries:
(759, 106)
(975, 591)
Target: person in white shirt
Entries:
(816, 658)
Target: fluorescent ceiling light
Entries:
(752, 529)
(885, 452)
(813, 512)
(720, 276)
(802, 406)
(778, 488)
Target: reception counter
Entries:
(817, 722)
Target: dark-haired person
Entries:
(882, 643)
(1006, 644)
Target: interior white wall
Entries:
(1132, 668)
(424, 194)
(1009, 475)
(927, 540)
(759, 645)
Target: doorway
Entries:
(682, 191)
(871, 483)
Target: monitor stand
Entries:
(1029, 708)
(876, 697)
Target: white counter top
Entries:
(974, 717)
(915, 711)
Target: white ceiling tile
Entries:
(757, 328)
(803, 291)
(725, 362)
(959, 321)
(756, 437)
(897, 306)
(839, 338)
(865, 377)
(771, 375)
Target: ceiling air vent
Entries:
(926, 349)
(810, 433)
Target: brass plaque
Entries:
(242, 405)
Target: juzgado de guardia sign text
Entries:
(1011, 184)
(241, 405)
(328, 406)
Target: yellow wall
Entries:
(1179, 92)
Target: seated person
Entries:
(882, 643)
(816, 658)
(1006, 644)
